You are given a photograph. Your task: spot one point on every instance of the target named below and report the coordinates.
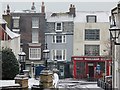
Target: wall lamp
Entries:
(114, 34)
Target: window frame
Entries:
(38, 53)
(63, 54)
(16, 25)
(55, 39)
(56, 26)
(35, 36)
(94, 35)
(36, 23)
(87, 49)
(89, 20)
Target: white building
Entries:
(9, 39)
(91, 45)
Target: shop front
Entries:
(91, 67)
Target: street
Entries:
(69, 84)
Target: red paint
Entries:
(88, 59)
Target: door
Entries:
(91, 71)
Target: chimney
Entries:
(8, 10)
(33, 7)
(43, 8)
(72, 10)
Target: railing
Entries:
(105, 85)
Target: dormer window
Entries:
(91, 18)
(58, 27)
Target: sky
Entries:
(59, 5)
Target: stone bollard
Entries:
(46, 79)
(22, 80)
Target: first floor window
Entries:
(59, 54)
(59, 39)
(92, 50)
(35, 35)
(34, 53)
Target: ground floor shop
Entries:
(91, 67)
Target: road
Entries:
(77, 85)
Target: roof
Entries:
(8, 31)
(60, 17)
(102, 16)
(2, 21)
(11, 34)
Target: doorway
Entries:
(91, 71)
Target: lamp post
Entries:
(32, 69)
(46, 55)
(46, 75)
(22, 57)
(55, 62)
(114, 35)
(21, 78)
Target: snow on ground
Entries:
(4, 83)
(32, 81)
(64, 83)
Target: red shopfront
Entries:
(84, 66)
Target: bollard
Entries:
(46, 78)
(22, 80)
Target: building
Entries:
(9, 39)
(91, 44)
(31, 26)
(59, 39)
(115, 44)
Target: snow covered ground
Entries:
(64, 83)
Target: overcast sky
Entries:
(60, 5)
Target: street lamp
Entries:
(22, 57)
(46, 55)
(114, 34)
(55, 62)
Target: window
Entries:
(91, 50)
(92, 34)
(59, 54)
(91, 19)
(59, 39)
(34, 53)
(35, 22)
(35, 36)
(58, 27)
(16, 22)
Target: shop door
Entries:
(91, 71)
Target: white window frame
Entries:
(54, 54)
(32, 55)
(35, 36)
(35, 22)
(16, 24)
(57, 30)
(54, 39)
